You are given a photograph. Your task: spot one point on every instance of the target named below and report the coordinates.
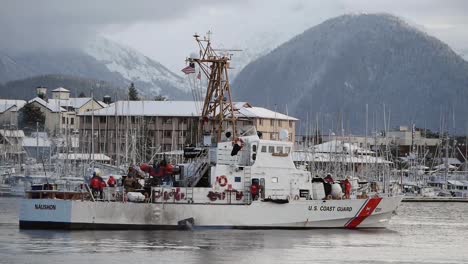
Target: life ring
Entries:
(222, 180)
(296, 197)
(157, 194)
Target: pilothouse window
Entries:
(279, 150)
(271, 149)
(264, 149)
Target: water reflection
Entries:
(429, 233)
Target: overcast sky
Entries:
(163, 30)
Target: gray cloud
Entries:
(26, 24)
(258, 24)
(142, 24)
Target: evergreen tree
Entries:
(30, 116)
(81, 95)
(133, 93)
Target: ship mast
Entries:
(218, 110)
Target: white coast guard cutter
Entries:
(253, 183)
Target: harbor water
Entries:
(419, 233)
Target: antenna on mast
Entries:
(218, 110)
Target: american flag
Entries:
(189, 69)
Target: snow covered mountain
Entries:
(100, 60)
(338, 67)
(150, 75)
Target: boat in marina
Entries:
(242, 181)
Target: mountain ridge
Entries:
(100, 59)
(338, 67)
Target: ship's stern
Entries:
(44, 214)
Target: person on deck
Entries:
(102, 185)
(111, 182)
(95, 184)
(348, 188)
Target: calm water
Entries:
(420, 233)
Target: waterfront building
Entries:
(137, 130)
(9, 110)
(61, 110)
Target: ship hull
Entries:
(301, 214)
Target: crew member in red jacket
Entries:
(111, 182)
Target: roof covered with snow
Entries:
(61, 89)
(52, 106)
(7, 104)
(180, 108)
(71, 102)
(149, 108)
(260, 112)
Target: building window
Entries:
(279, 123)
(168, 120)
(102, 119)
(183, 133)
(260, 122)
(167, 134)
(290, 123)
(167, 147)
(63, 120)
(72, 121)
(264, 149)
(272, 122)
(273, 136)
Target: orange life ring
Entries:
(166, 195)
(157, 194)
(222, 180)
